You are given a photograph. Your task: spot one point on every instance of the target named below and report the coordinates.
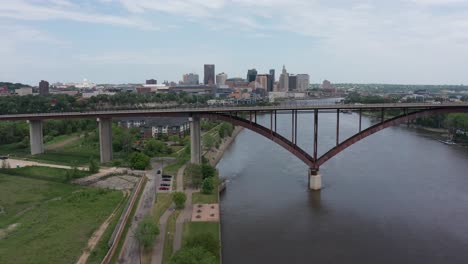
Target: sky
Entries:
(129, 41)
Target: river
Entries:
(398, 196)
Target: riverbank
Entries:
(214, 155)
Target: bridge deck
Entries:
(228, 109)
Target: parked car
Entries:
(165, 184)
(166, 179)
(167, 176)
(158, 172)
(163, 188)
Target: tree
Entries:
(208, 171)
(139, 161)
(209, 141)
(146, 232)
(205, 240)
(5, 164)
(179, 199)
(93, 166)
(208, 186)
(196, 255)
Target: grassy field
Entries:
(102, 247)
(75, 153)
(169, 239)
(44, 173)
(53, 220)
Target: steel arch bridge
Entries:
(234, 115)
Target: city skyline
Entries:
(404, 42)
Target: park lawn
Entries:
(169, 237)
(55, 222)
(196, 228)
(102, 247)
(44, 173)
(60, 138)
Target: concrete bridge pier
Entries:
(36, 137)
(315, 179)
(105, 139)
(195, 140)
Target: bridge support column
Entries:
(195, 140)
(36, 137)
(315, 180)
(105, 139)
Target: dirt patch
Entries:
(9, 229)
(62, 144)
(121, 182)
(205, 213)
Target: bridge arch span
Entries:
(380, 126)
(270, 134)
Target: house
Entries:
(157, 126)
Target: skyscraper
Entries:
(151, 81)
(190, 79)
(221, 78)
(271, 80)
(251, 75)
(284, 80)
(303, 82)
(262, 80)
(43, 88)
(209, 77)
(292, 82)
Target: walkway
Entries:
(158, 249)
(186, 214)
(130, 250)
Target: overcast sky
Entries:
(120, 41)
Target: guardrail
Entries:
(121, 228)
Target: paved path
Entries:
(158, 249)
(186, 214)
(130, 251)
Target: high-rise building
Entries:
(221, 78)
(251, 75)
(190, 79)
(151, 81)
(292, 82)
(303, 82)
(209, 77)
(262, 81)
(43, 88)
(271, 80)
(284, 80)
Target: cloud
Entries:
(64, 10)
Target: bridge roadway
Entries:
(111, 113)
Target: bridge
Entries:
(246, 116)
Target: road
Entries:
(130, 251)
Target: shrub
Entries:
(146, 232)
(205, 240)
(139, 161)
(179, 199)
(208, 186)
(208, 171)
(94, 166)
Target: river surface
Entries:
(398, 196)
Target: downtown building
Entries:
(209, 77)
(190, 79)
(302, 82)
(221, 79)
(271, 80)
(284, 80)
(151, 81)
(43, 88)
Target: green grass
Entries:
(205, 198)
(169, 239)
(55, 220)
(102, 247)
(43, 173)
(163, 201)
(195, 228)
(60, 138)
